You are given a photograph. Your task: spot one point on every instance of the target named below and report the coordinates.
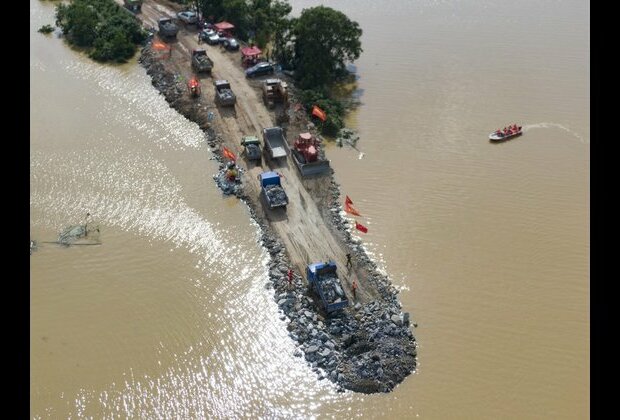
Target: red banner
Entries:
(361, 227)
(319, 113)
(347, 200)
(228, 154)
(349, 209)
(158, 45)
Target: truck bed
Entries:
(276, 196)
(331, 290)
(226, 96)
(275, 141)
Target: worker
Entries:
(290, 278)
(231, 173)
(349, 263)
(354, 288)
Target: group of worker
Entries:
(511, 129)
(231, 172)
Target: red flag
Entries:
(361, 227)
(158, 45)
(228, 154)
(319, 113)
(349, 209)
(347, 200)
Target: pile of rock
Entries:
(229, 187)
(276, 194)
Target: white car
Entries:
(213, 39)
(205, 34)
(188, 17)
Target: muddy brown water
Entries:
(489, 243)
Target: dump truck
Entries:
(275, 143)
(305, 153)
(201, 63)
(323, 279)
(167, 28)
(223, 93)
(272, 191)
(251, 146)
(275, 90)
(133, 5)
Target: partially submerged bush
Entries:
(46, 29)
(107, 30)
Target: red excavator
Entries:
(306, 155)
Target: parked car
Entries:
(230, 44)
(188, 17)
(260, 69)
(213, 39)
(206, 33)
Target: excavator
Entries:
(275, 90)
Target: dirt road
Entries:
(301, 227)
(368, 347)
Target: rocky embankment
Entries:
(367, 347)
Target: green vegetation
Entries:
(324, 41)
(317, 46)
(46, 29)
(334, 109)
(108, 31)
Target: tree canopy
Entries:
(107, 30)
(325, 40)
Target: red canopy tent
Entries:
(225, 27)
(250, 56)
(251, 51)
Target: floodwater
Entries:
(488, 243)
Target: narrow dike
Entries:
(366, 347)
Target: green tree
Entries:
(267, 18)
(79, 21)
(107, 30)
(325, 40)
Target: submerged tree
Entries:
(325, 40)
(102, 26)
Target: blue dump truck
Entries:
(272, 190)
(323, 279)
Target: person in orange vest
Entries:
(354, 288)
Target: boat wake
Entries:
(527, 127)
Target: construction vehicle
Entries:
(133, 5)
(201, 63)
(272, 191)
(223, 93)
(193, 86)
(322, 277)
(167, 28)
(305, 153)
(251, 146)
(275, 90)
(275, 143)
